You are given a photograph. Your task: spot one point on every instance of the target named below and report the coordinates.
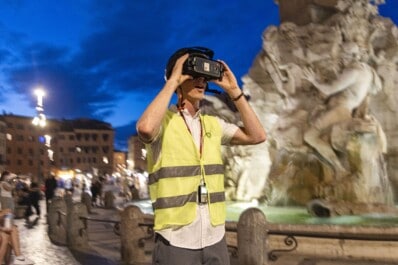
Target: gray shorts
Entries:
(165, 254)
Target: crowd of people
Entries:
(19, 194)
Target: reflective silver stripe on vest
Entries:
(178, 201)
(184, 171)
(217, 197)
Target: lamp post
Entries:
(40, 122)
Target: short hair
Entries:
(4, 174)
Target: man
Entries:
(50, 186)
(185, 167)
(346, 94)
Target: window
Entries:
(105, 136)
(19, 151)
(105, 149)
(71, 137)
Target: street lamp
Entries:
(39, 121)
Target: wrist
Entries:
(172, 84)
(234, 92)
(236, 97)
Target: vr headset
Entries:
(200, 63)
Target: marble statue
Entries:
(343, 95)
(326, 92)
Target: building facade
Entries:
(82, 145)
(136, 158)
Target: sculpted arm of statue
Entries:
(347, 78)
(149, 123)
(252, 131)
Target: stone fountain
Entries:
(325, 87)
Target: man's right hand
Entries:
(176, 74)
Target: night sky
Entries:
(105, 59)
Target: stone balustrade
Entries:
(251, 240)
(65, 226)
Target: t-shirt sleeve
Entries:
(228, 131)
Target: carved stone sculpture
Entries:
(317, 89)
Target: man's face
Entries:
(194, 89)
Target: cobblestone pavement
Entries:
(36, 245)
(105, 246)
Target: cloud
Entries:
(123, 54)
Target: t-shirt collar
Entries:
(185, 111)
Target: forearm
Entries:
(324, 88)
(252, 131)
(342, 82)
(7, 186)
(149, 123)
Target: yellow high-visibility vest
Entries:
(174, 178)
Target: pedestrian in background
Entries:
(34, 198)
(186, 178)
(50, 186)
(95, 191)
(6, 188)
(9, 236)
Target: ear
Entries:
(180, 98)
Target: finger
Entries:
(224, 64)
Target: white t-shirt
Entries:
(5, 193)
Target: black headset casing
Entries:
(198, 51)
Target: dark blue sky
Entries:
(105, 59)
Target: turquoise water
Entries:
(294, 215)
(299, 215)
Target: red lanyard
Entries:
(189, 130)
